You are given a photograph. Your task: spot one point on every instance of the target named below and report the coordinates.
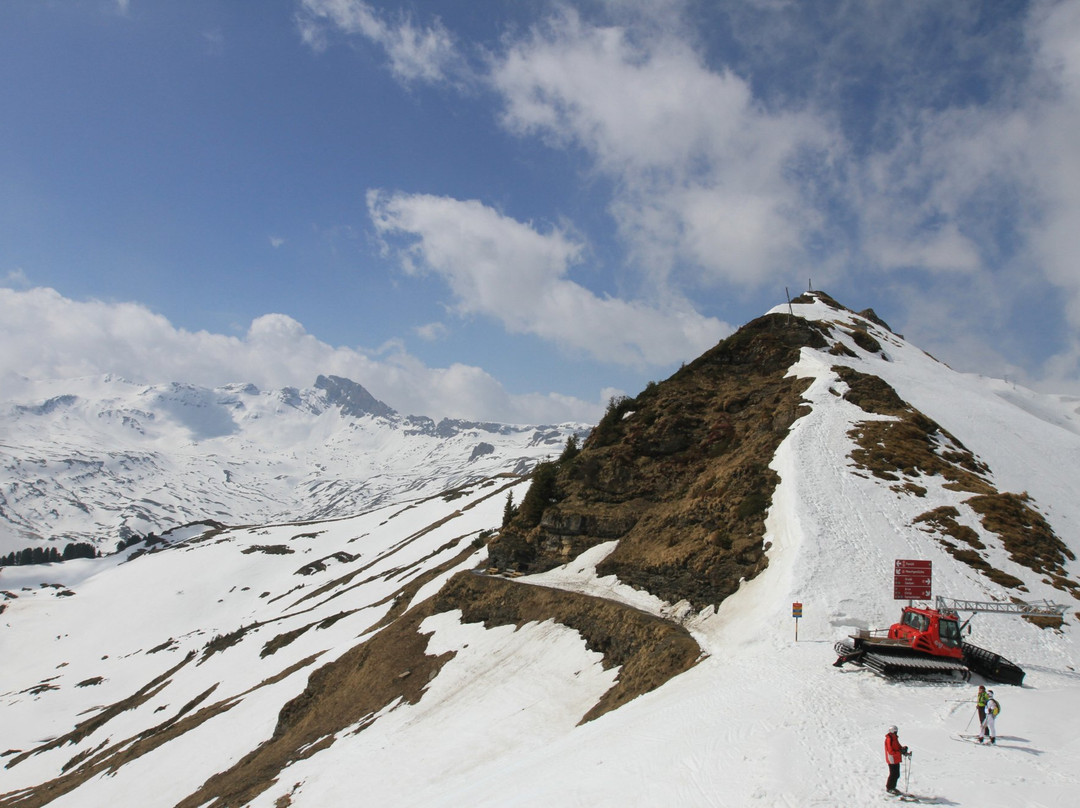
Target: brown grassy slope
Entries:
(913, 445)
(678, 474)
(393, 665)
(649, 650)
(109, 756)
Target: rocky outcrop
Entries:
(679, 474)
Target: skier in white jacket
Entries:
(986, 730)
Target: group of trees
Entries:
(542, 491)
(48, 555)
(150, 539)
(41, 554)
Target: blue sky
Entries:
(513, 210)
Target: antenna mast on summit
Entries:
(787, 294)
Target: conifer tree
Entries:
(509, 511)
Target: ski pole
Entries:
(969, 720)
(907, 773)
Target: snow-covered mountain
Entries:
(625, 640)
(101, 459)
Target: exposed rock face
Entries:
(353, 399)
(678, 474)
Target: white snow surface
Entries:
(762, 719)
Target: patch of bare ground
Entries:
(269, 549)
(864, 339)
(393, 666)
(389, 667)
(108, 758)
(649, 650)
(911, 446)
(1027, 536)
(337, 587)
(399, 601)
(404, 665)
(679, 474)
(85, 728)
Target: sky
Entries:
(515, 210)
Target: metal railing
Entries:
(1044, 609)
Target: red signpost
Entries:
(911, 579)
(796, 612)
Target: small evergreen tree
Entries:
(509, 511)
(541, 493)
(571, 451)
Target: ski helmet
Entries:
(893, 730)
(990, 692)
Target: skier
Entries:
(986, 729)
(894, 752)
(980, 704)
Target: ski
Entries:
(972, 739)
(916, 798)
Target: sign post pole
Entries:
(796, 612)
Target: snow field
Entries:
(189, 594)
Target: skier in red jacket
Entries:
(894, 752)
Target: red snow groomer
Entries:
(926, 642)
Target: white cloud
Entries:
(276, 241)
(214, 41)
(431, 332)
(992, 190)
(501, 268)
(44, 335)
(831, 148)
(700, 167)
(416, 54)
(1048, 137)
(15, 278)
(944, 250)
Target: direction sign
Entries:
(911, 579)
(906, 565)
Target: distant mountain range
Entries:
(102, 459)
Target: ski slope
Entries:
(761, 720)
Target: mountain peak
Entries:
(353, 399)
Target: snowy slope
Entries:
(761, 720)
(99, 459)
